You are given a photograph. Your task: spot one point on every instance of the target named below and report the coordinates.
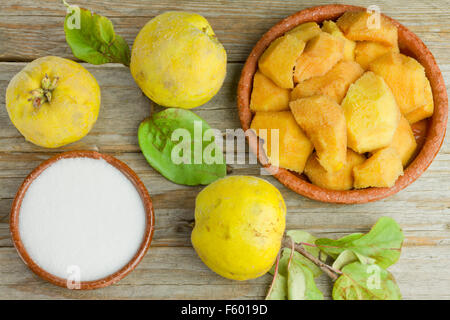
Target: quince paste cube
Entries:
(321, 53)
(406, 78)
(349, 45)
(267, 96)
(278, 61)
(371, 112)
(305, 31)
(382, 169)
(363, 26)
(425, 110)
(367, 51)
(294, 147)
(404, 141)
(333, 84)
(323, 121)
(339, 180)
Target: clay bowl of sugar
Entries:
(82, 220)
(429, 133)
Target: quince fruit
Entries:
(177, 60)
(53, 101)
(239, 225)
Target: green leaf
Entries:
(365, 282)
(348, 256)
(335, 247)
(298, 258)
(364, 260)
(92, 38)
(300, 236)
(279, 289)
(176, 143)
(383, 243)
(300, 283)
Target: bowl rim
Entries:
(408, 42)
(112, 278)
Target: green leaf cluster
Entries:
(92, 38)
(360, 259)
(295, 278)
(365, 282)
(383, 243)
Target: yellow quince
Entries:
(53, 101)
(177, 60)
(239, 225)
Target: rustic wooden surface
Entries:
(30, 29)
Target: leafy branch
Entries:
(359, 268)
(329, 271)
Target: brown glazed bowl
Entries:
(431, 131)
(84, 285)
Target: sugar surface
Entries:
(85, 213)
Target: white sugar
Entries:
(82, 214)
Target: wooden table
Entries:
(171, 270)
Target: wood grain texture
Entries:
(171, 269)
(30, 29)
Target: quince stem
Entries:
(44, 93)
(328, 270)
(274, 276)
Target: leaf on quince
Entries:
(383, 243)
(92, 38)
(300, 283)
(365, 282)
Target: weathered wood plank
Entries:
(30, 29)
(423, 209)
(171, 269)
(177, 273)
(124, 107)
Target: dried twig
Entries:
(292, 253)
(329, 271)
(275, 274)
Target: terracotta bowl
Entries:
(84, 285)
(429, 133)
